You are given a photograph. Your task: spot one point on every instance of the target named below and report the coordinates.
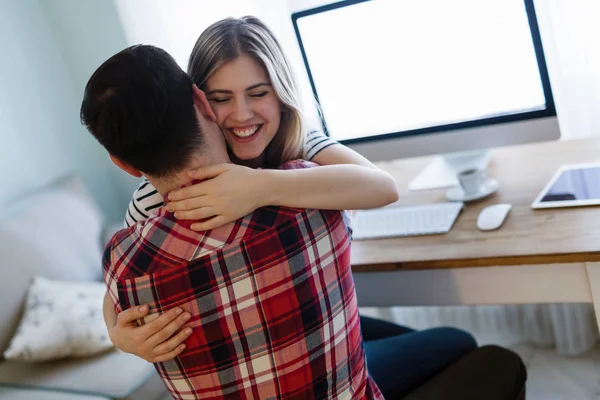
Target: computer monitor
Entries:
(396, 78)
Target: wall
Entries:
(35, 101)
(570, 33)
(88, 33)
(175, 25)
(49, 49)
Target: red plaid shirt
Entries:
(274, 310)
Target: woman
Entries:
(240, 66)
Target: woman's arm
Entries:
(110, 316)
(232, 191)
(345, 181)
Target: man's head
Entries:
(143, 108)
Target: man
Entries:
(271, 296)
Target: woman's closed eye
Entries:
(260, 94)
(219, 100)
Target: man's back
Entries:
(272, 300)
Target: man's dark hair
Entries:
(139, 105)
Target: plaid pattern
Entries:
(272, 299)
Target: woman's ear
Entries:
(201, 102)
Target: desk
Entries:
(537, 256)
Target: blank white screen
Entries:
(387, 66)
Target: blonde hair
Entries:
(229, 38)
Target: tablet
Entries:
(573, 185)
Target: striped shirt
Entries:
(272, 299)
(146, 199)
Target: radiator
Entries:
(570, 328)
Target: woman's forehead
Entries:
(238, 75)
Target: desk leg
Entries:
(593, 271)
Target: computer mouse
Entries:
(492, 217)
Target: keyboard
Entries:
(405, 221)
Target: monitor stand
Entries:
(441, 172)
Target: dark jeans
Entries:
(401, 359)
(488, 373)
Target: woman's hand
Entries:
(154, 342)
(228, 193)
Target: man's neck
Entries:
(166, 185)
(181, 178)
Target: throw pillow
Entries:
(61, 319)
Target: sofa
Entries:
(58, 233)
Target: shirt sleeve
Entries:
(315, 142)
(145, 203)
(110, 278)
(298, 164)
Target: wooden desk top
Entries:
(527, 236)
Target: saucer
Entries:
(457, 193)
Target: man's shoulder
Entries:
(116, 240)
(171, 241)
(277, 217)
(128, 231)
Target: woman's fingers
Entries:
(131, 315)
(170, 355)
(196, 214)
(210, 224)
(172, 344)
(188, 204)
(202, 188)
(167, 330)
(153, 327)
(190, 192)
(209, 172)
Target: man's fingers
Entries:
(130, 315)
(165, 331)
(173, 343)
(170, 355)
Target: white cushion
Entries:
(54, 233)
(61, 319)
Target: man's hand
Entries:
(157, 341)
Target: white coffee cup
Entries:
(472, 179)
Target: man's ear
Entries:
(201, 102)
(126, 167)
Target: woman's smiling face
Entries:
(247, 108)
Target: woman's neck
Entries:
(258, 162)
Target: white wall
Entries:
(34, 101)
(570, 32)
(49, 49)
(88, 33)
(174, 25)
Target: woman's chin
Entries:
(252, 159)
(247, 156)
